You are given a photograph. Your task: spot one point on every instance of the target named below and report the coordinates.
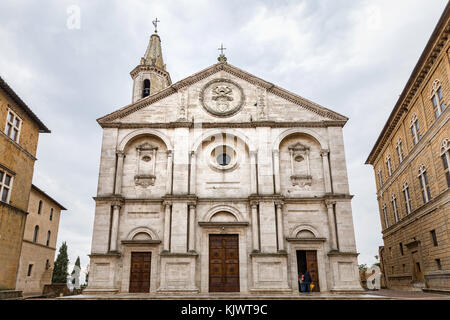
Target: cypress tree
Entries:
(61, 264)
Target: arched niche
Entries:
(301, 131)
(144, 132)
(301, 163)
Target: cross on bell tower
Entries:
(155, 23)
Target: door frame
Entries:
(126, 269)
(236, 236)
(241, 231)
(131, 266)
(308, 245)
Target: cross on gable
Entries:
(221, 49)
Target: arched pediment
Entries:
(142, 233)
(304, 231)
(142, 132)
(223, 213)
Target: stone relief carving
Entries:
(300, 167)
(145, 166)
(261, 103)
(182, 109)
(222, 97)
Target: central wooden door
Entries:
(140, 272)
(223, 263)
(311, 266)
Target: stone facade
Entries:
(19, 134)
(221, 152)
(413, 184)
(38, 247)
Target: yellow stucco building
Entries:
(19, 133)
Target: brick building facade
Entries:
(411, 164)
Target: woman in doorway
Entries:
(301, 282)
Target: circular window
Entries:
(223, 159)
(299, 158)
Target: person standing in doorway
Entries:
(301, 282)
(307, 281)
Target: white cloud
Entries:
(353, 57)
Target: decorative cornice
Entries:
(223, 224)
(306, 240)
(296, 99)
(425, 63)
(242, 124)
(141, 242)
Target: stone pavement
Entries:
(383, 294)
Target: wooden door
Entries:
(140, 272)
(311, 266)
(223, 263)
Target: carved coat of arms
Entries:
(222, 97)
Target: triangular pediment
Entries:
(319, 111)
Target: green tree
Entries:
(362, 266)
(61, 264)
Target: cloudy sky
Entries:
(351, 56)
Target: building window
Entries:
(47, 243)
(36, 234)
(401, 248)
(394, 207)
(30, 268)
(445, 155)
(40, 207)
(404, 268)
(434, 238)
(415, 129)
(438, 264)
(51, 214)
(386, 221)
(392, 270)
(47, 264)
(146, 88)
(423, 178)
(437, 98)
(13, 124)
(400, 150)
(5, 186)
(408, 201)
(389, 165)
(380, 176)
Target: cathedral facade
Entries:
(220, 182)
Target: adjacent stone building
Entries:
(39, 243)
(19, 134)
(220, 182)
(411, 163)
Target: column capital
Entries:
(192, 205)
(329, 203)
(253, 203)
(279, 204)
(120, 153)
(192, 153)
(167, 203)
(276, 152)
(253, 153)
(324, 152)
(169, 153)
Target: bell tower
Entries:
(150, 76)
